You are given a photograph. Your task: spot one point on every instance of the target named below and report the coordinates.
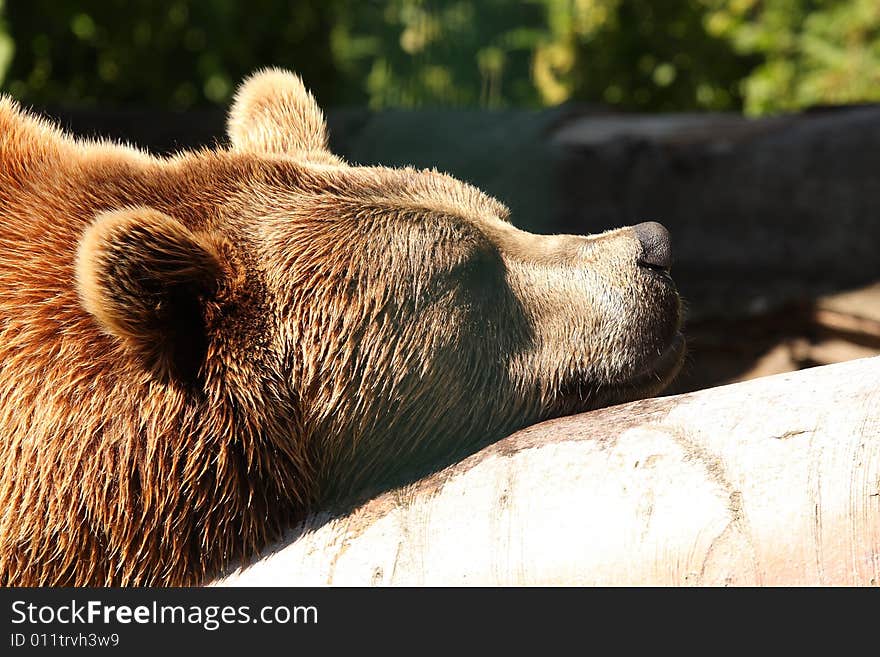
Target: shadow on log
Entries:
(774, 481)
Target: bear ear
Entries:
(149, 282)
(274, 113)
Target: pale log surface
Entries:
(774, 481)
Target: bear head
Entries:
(395, 314)
(198, 350)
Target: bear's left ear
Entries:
(274, 113)
(153, 284)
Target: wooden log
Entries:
(774, 481)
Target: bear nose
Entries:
(656, 245)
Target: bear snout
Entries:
(656, 245)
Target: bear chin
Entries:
(583, 394)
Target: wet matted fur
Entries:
(196, 351)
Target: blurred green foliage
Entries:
(812, 52)
(181, 53)
(671, 60)
(762, 56)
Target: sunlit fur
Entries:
(196, 351)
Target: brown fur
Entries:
(196, 351)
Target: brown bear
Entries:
(196, 351)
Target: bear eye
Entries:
(480, 270)
(462, 258)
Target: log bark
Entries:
(774, 481)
